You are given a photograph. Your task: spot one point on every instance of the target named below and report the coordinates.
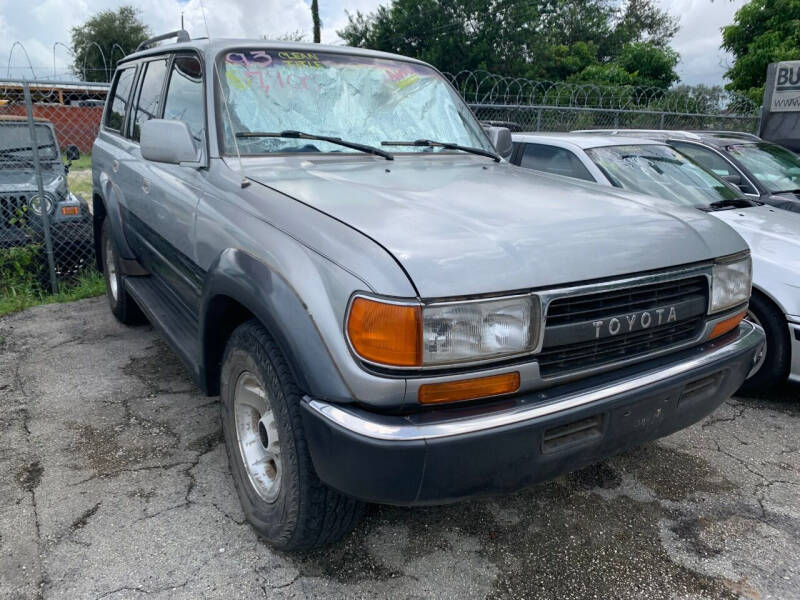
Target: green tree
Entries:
(641, 64)
(542, 39)
(101, 38)
(763, 31)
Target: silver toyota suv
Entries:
(388, 310)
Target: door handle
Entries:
(146, 186)
(115, 166)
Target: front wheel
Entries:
(774, 364)
(122, 305)
(281, 495)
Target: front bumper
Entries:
(448, 454)
(794, 345)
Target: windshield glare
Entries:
(663, 172)
(775, 167)
(15, 142)
(359, 99)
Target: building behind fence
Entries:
(45, 221)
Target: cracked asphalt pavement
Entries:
(114, 484)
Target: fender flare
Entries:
(112, 213)
(238, 276)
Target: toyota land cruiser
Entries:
(388, 310)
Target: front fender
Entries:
(239, 276)
(109, 194)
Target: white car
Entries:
(656, 169)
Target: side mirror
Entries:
(72, 152)
(501, 140)
(734, 179)
(167, 141)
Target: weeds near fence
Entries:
(23, 281)
(20, 294)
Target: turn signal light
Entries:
(69, 210)
(727, 325)
(384, 333)
(468, 389)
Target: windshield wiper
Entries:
(665, 159)
(299, 135)
(731, 203)
(447, 146)
(794, 191)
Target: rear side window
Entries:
(184, 100)
(118, 105)
(149, 104)
(552, 159)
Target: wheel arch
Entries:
(99, 214)
(771, 299)
(239, 288)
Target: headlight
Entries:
(414, 335)
(732, 280)
(470, 331)
(35, 204)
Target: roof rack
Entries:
(731, 134)
(181, 34)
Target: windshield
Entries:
(15, 142)
(775, 167)
(663, 172)
(356, 98)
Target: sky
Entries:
(42, 24)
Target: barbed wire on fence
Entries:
(483, 87)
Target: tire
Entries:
(120, 301)
(775, 365)
(281, 495)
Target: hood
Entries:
(24, 179)
(462, 225)
(772, 234)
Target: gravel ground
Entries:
(114, 484)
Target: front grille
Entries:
(576, 316)
(12, 206)
(606, 304)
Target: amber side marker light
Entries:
(727, 325)
(69, 210)
(384, 333)
(468, 389)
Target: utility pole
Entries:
(315, 19)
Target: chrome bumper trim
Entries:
(401, 429)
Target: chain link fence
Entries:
(46, 135)
(529, 105)
(47, 130)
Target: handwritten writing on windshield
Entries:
(402, 77)
(260, 58)
(261, 70)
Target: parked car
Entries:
(20, 204)
(390, 312)
(762, 170)
(656, 169)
